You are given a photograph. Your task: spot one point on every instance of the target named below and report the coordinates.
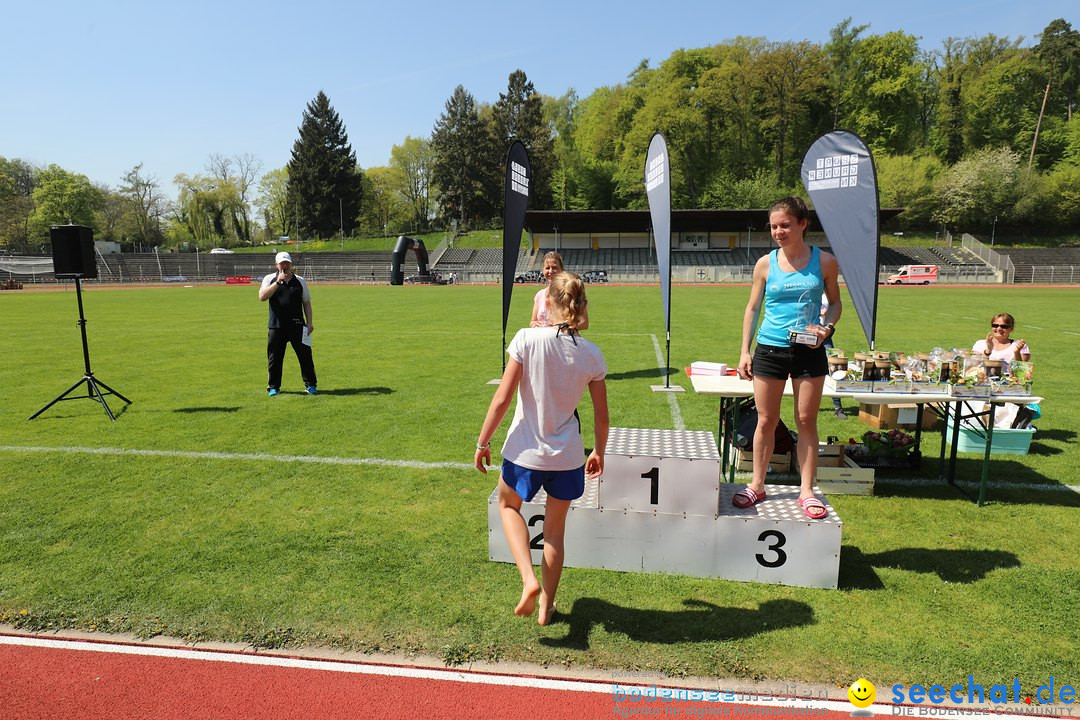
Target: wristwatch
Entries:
(832, 329)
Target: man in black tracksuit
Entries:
(290, 322)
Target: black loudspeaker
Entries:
(73, 251)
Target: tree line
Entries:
(978, 132)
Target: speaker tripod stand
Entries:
(94, 386)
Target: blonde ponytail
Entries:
(566, 293)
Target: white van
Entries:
(914, 275)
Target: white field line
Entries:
(477, 678)
(257, 457)
(676, 414)
(420, 465)
(740, 476)
(1031, 327)
(992, 484)
(306, 664)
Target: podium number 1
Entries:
(654, 489)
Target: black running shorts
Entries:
(797, 361)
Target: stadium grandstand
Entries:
(707, 246)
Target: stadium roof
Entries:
(629, 221)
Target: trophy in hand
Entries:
(801, 333)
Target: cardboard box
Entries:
(831, 454)
(838, 474)
(847, 480)
(896, 415)
(744, 462)
(701, 367)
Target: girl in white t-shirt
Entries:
(553, 265)
(549, 370)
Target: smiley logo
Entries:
(862, 694)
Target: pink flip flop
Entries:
(747, 498)
(813, 508)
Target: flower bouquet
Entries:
(893, 443)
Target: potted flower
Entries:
(893, 443)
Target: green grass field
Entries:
(203, 529)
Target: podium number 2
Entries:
(537, 543)
(654, 488)
(779, 540)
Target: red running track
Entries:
(47, 678)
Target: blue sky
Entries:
(97, 87)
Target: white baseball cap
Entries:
(282, 257)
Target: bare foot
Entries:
(528, 600)
(546, 611)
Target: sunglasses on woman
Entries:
(997, 326)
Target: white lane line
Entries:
(1070, 333)
(305, 664)
(676, 414)
(619, 692)
(257, 457)
(416, 464)
(992, 484)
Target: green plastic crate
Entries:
(1005, 442)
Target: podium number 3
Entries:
(654, 488)
(779, 540)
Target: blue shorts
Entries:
(559, 484)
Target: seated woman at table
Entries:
(999, 345)
(788, 283)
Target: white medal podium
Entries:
(660, 507)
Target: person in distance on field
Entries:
(549, 369)
(790, 280)
(290, 324)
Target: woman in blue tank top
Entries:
(789, 281)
